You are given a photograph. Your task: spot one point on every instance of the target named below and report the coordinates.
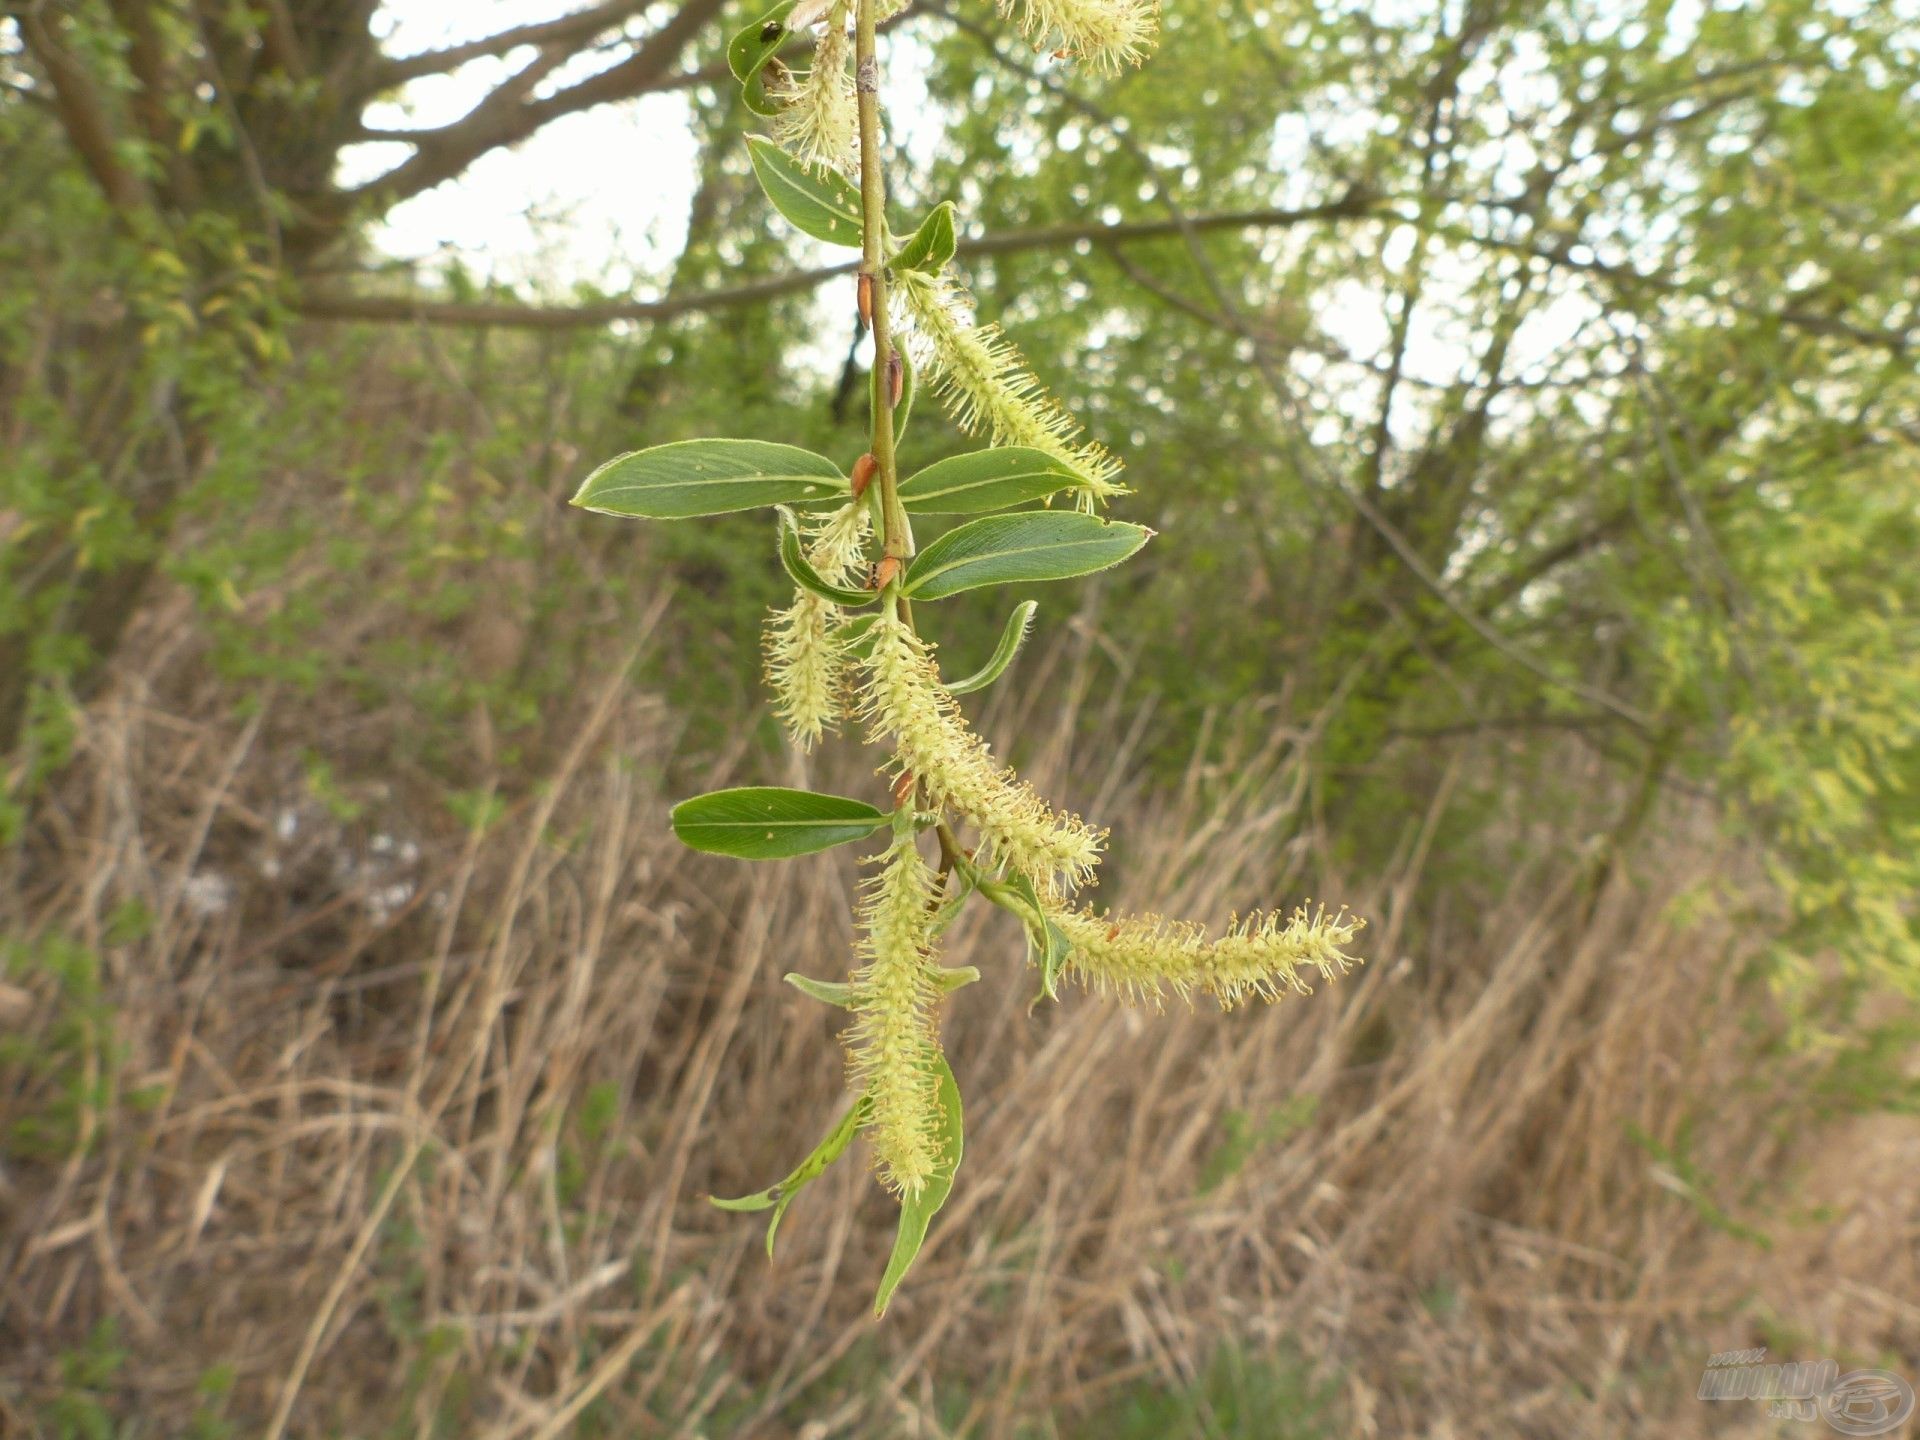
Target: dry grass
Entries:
(428, 1119)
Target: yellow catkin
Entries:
(1106, 34)
(820, 122)
(986, 386)
(893, 1046)
(805, 652)
(1259, 957)
(905, 703)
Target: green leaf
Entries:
(749, 51)
(1011, 640)
(779, 1197)
(709, 477)
(1049, 946)
(1005, 549)
(827, 992)
(839, 993)
(1053, 957)
(931, 246)
(917, 1211)
(793, 555)
(987, 480)
(765, 822)
(818, 202)
(905, 408)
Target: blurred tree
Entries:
(211, 133)
(1531, 370)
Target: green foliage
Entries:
(794, 560)
(708, 477)
(931, 246)
(986, 480)
(1015, 549)
(815, 202)
(779, 1197)
(751, 50)
(917, 1210)
(769, 823)
(1011, 639)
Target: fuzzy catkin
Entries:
(820, 122)
(893, 1046)
(805, 653)
(1258, 957)
(903, 701)
(1106, 34)
(986, 386)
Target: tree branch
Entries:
(567, 30)
(83, 113)
(335, 305)
(491, 125)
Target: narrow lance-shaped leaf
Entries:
(917, 1211)
(751, 48)
(1050, 946)
(779, 1197)
(987, 480)
(839, 993)
(1007, 549)
(1011, 639)
(793, 556)
(819, 202)
(766, 822)
(689, 478)
(932, 245)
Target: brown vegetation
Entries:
(428, 1119)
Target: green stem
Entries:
(896, 531)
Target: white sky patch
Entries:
(598, 198)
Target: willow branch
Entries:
(897, 536)
(335, 305)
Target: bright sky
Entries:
(619, 176)
(601, 197)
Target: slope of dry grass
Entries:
(378, 1126)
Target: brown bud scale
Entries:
(864, 469)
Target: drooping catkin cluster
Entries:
(985, 384)
(820, 121)
(805, 652)
(903, 701)
(1106, 34)
(893, 1045)
(1261, 956)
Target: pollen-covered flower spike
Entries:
(893, 1045)
(904, 701)
(805, 652)
(1106, 34)
(1259, 957)
(985, 384)
(821, 120)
